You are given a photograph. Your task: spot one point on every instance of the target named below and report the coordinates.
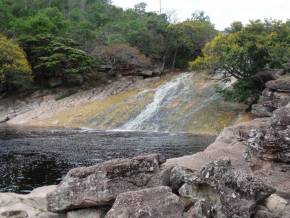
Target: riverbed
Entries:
(34, 157)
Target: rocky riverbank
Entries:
(244, 173)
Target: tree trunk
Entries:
(174, 60)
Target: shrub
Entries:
(15, 71)
(122, 54)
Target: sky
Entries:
(221, 12)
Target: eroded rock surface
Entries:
(100, 185)
(158, 202)
(271, 141)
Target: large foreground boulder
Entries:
(221, 191)
(99, 185)
(158, 202)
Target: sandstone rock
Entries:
(231, 193)
(87, 213)
(280, 85)
(31, 205)
(99, 185)
(267, 75)
(158, 202)
(276, 204)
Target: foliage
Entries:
(45, 21)
(241, 52)
(241, 91)
(57, 58)
(15, 71)
(185, 40)
(46, 26)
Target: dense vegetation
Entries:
(50, 43)
(66, 40)
(243, 51)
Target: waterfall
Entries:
(187, 103)
(149, 118)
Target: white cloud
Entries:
(222, 12)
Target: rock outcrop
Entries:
(224, 191)
(271, 141)
(275, 96)
(101, 184)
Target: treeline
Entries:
(249, 54)
(64, 42)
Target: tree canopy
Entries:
(47, 28)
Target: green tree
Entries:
(56, 59)
(186, 40)
(242, 52)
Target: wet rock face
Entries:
(100, 185)
(158, 202)
(225, 191)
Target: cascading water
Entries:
(148, 119)
(187, 103)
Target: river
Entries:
(31, 158)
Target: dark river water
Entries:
(31, 158)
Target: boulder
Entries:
(270, 101)
(99, 185)
(158, 202)
(259, 110)
(280, 85)
(178, 176)
(87, 213)
(226, 191)
(276, 204)
(31, 205)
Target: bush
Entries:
(15, 71)
(122, 55)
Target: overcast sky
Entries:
(221, 12)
